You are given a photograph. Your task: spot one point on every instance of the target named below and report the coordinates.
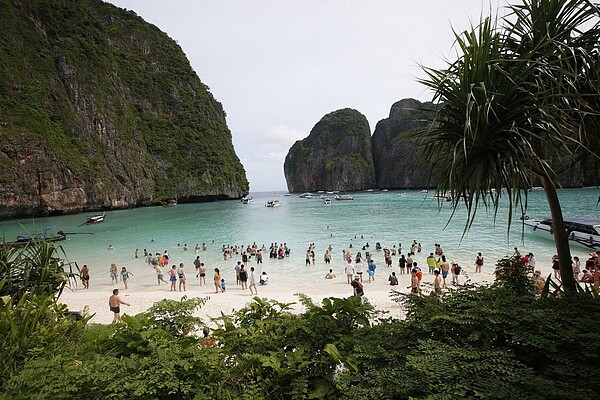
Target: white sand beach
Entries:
(142, 294)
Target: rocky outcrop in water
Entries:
(101, 110)
(395, 153)
(336, 155)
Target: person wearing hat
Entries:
(592, 262)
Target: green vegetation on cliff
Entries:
(335, 156)
(94, 98)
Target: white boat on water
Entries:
(581, 232)
(343, 197)
(96, 218)
(273, 203)
(246, 200)
(326, 200)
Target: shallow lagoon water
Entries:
(385, 217)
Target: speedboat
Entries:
(273, 203)
(96, 218)
(343, 197)
(306, 195)
(326, 200)
(581, 232)
(246, 200)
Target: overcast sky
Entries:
(279, 66)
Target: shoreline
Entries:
(143, 296)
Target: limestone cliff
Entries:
(336, 155)
(395, 155)
(100, 110)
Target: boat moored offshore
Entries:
(581, 232)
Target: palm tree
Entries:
(518, 103)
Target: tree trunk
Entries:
(561, 238)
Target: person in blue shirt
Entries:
(371, 270)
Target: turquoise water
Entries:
(378, 217)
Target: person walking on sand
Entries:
(114, 302)
(445, 269)
(202, 273)
(358, 268)
(237, 268)
(243, 278)
(114, 274)
(349, 272)
(159, 274)
(125, 276)
(478, 262)
(181, 275)
(252, 282)
(85, 276)
(217, 280)
(173, 277)
(556, 266)
(455, 269)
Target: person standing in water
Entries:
(478, 262)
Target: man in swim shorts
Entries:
(85, 276)
(114, 302)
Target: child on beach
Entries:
(125, 276)
(223, 285)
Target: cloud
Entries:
(282, 134)
(274, 156)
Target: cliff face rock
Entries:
(101, 110)
(336, 155)
(395, 154)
